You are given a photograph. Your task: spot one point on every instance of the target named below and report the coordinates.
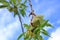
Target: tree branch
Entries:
(21, 23)
(32, 11)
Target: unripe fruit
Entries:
(37, 20)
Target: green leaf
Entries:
(43, 24)
(27, 26)
(22, 11)
(19, 1)
(26, 37)
(4, 2)
(20, 35)
(34, 38)
(15, 11)
(49, 25)
(3, 6)
(14, 1)
(36, 30)
(22, 5)
(45, 32)
(40, 37)
(10, 9)
(25, 1)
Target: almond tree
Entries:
(37, 24)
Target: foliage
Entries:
(33, 32)
(38, 30)
(14, 6)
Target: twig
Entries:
(30, 5)
(32, 11)
(21, 23)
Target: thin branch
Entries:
(30, 5)
(21, 22)
(32, 11)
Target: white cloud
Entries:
(8, 25)
(55, 35)
(5, 17)
(8, 32)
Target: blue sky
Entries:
(10, 26)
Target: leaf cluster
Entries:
(37, 31)
(16, 6)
